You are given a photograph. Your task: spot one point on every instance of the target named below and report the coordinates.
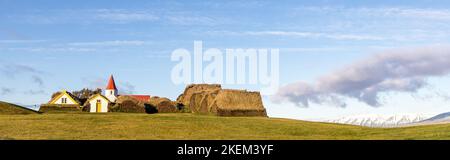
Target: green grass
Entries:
(8, 108)
(190, 126)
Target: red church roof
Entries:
(143, 98)
(111, 84)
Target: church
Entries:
(98, 103)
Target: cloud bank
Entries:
(336, 36)
(12, 70)
(401, 70)
(5, 91)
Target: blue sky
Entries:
(46, 46)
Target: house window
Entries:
(63, 100)
(110, 92)
(99, 101)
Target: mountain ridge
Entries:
(378, 120)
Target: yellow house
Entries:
(98, 103)
(65, 98)
(62, 102)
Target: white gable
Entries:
(98, 101)
(64, 99)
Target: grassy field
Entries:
(189, 126)
(8, 108)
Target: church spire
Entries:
(111, 90)
(111, 84)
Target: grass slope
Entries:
(189, 126)
(8, 108)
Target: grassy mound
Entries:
(8, 108)
(193, 126)
(163, 105)
(59, 108)
(212, 99)
(238, 103)
(193, 88)
(201, 101)
(128, 104)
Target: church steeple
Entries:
(111, 84)
(111, 90)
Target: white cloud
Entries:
(21, 41)
(35, 92)
(336, 36)
(6, 91)
(315, 35)
(436, 14)
(86, 16)
(192, 20)
(124, 16)
(111, 43)
(81, 47)
(126, 88)
(12, 70)
(48, 49)
(418, 13)
(120, 16)
(315, 49)
(404, 70)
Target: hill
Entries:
(191, 126)
(440, 118)
(374, 120)
(8, 108)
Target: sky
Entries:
(329, 50)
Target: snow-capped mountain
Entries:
(374, 120)
(440, 118)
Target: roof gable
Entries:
(97, 95)
(71, 97)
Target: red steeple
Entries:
(111, 84)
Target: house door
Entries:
(99, 106)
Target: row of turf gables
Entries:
(97, 103)
(208, 99)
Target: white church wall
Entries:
(111, 95)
